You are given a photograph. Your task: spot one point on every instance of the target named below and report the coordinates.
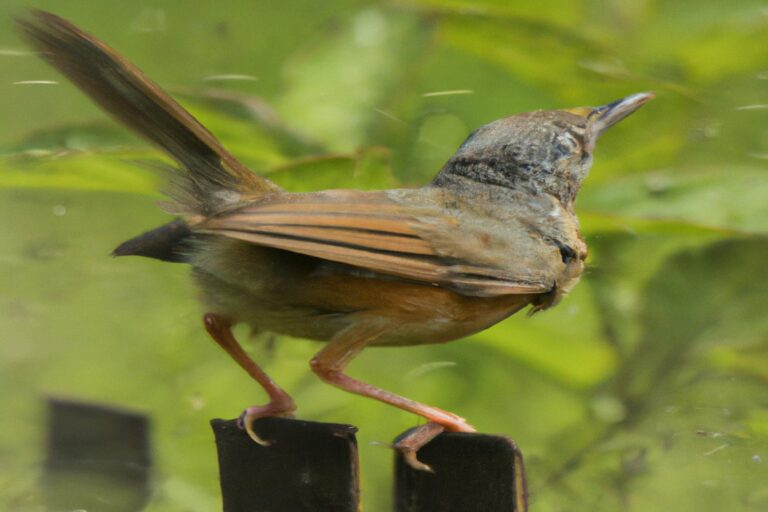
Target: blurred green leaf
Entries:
(257, 146)
(732, 199)
(253, 110)
(749, 357)
(682, 414)
(368, 169)
(534, 53)
(96, 136)
(564, 343)
(718, 290)
(567, 14)
(335, 86)
(700, 42)
(117, 172)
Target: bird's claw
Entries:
(411, 442)
(245, 422)
(251, 414)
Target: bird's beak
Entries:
(602, 118)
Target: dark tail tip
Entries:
(166, 243)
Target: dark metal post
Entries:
(309, 466)
(470, 473)
(98, 458)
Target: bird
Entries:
(494, 232)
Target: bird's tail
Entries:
(210, 178)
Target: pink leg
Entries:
(280, 403)
(329, 365)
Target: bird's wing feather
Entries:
(372, 231)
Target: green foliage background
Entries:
(646, 389)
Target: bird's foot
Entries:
(253, 413)
(413, 441)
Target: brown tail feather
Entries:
(209, 174)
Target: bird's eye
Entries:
(569, 141)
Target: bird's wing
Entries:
(378, 232)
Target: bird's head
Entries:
(546, 151)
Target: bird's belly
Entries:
(417, 314)
(436, 328)
(294, 295)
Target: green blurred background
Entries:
(646, 389)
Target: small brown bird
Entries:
(494, 232)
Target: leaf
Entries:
(95, 136)
(732, 199)
(564, 343)
(254, 111)
(719, 292)
(334, 87)
(700, 41)
(116, 172)
(256, 146)
(682, 437)
(366, 170)
(566, 15)
(536, 54)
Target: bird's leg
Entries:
(280, 403)
(330, 362)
